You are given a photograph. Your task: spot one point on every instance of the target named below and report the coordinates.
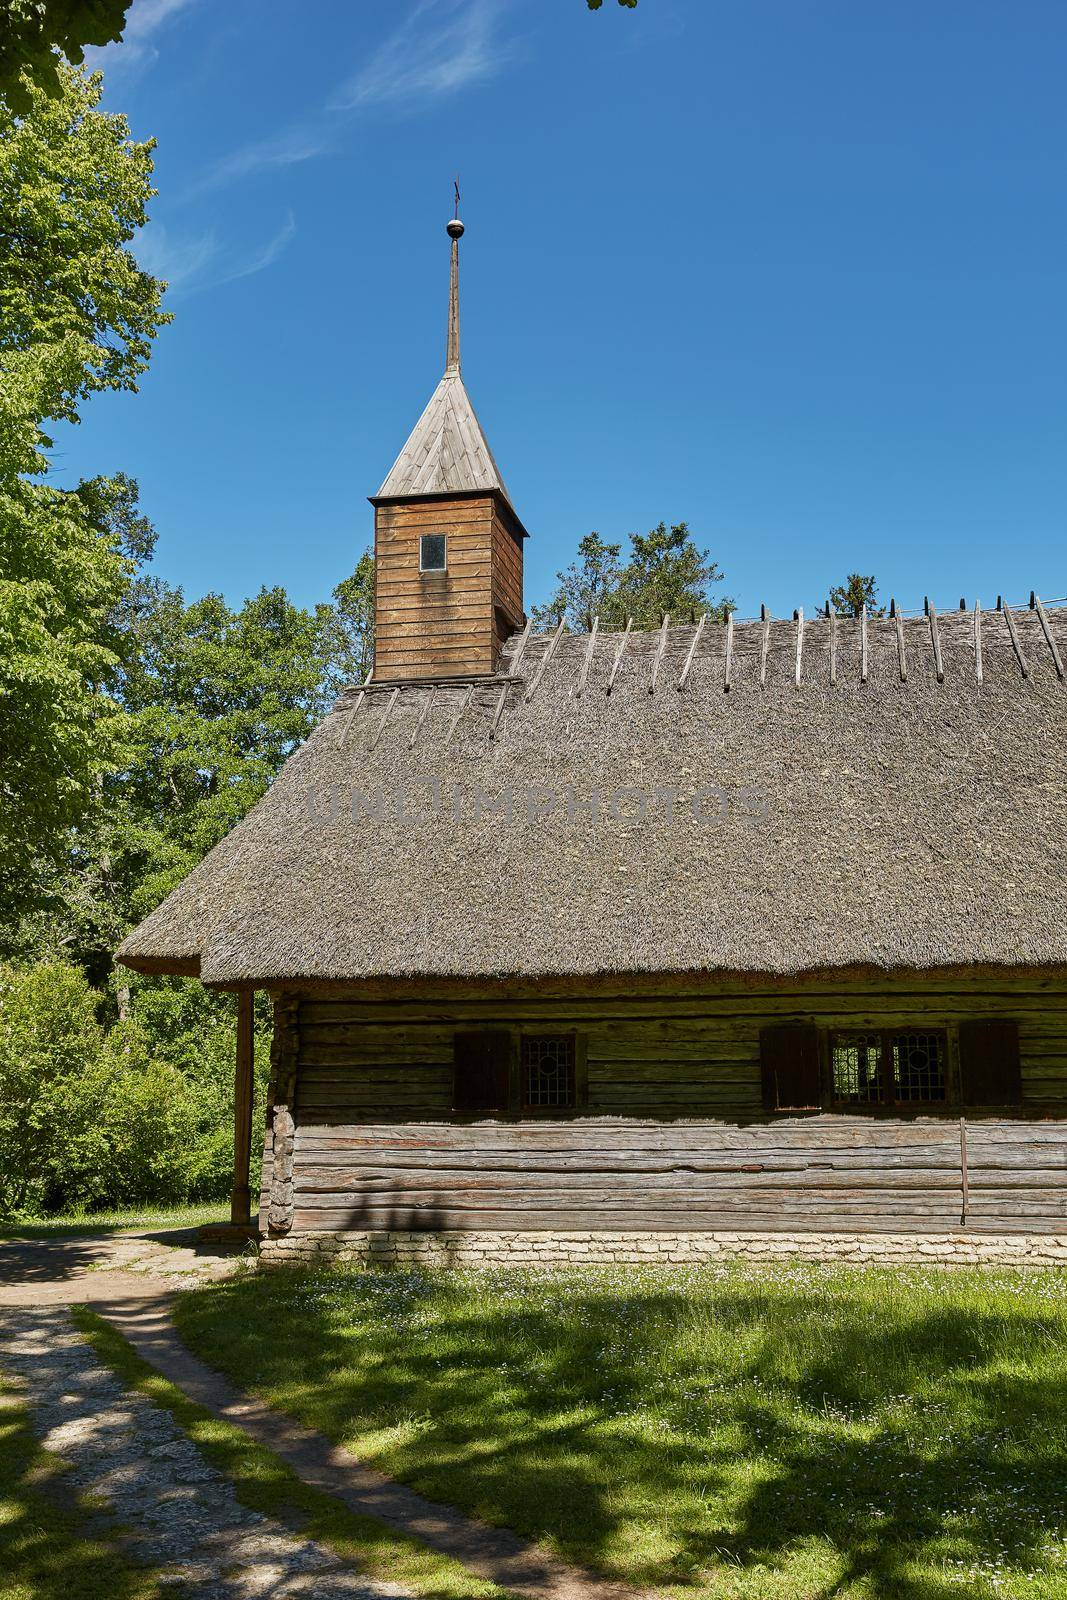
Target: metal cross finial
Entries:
(455, 233)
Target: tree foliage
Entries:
(77, 315)
(33, 31)
(595, 5)
(666, 573)
(850, 597)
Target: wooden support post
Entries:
(659, 653)
(241, 1198)
(863, 643)
(682, 681)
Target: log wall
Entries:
(674, 1136)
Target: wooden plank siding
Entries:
(674, 1135)
(451, 622)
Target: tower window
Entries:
(432, 552)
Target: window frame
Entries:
(526, 1039)
(423, 537)
(517, 1108)
(889, 1104)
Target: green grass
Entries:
(50, 1546)
(264, 1483)
(783, 1432)
(114, 1221)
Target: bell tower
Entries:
(447, 541)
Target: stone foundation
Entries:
(461, 1249)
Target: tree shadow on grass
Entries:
(911, 1448)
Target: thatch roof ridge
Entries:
(909, 821)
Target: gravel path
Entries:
(178, 1513)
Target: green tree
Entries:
(77, 315)
(33, 31)
(347, 629)
(668, 573)
(850, 597)
(588, 588)
(595, 5)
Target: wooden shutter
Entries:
(789, 1061)
(990, 1073)
(481, 1071)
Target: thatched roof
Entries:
(905, 806)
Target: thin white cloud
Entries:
(286, 149)
(193, 263)
(179, 259)
(442, 46)
(136, 51)
(265, 256)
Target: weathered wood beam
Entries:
(467, 698)
(864, 666)
(831, 617)
(542, 665)
(1013, 635)
(683, 678)
(618, 654)
(660, 648)
(978, 669)
(423, 714)
(765, 645)
(935, 640)
(1035, 603)
(386, 714)
(798, 617)
(587, 660)
(361, 696)
(902, 658)
(728, 663)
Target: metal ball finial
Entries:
(455, 228)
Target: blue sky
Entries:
(792, 270)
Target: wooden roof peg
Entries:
(728, 663)
(684, 675)
(798, 617)
(935, 640)
(901, 655)
(520, 648)
(588, 659)
(385, 717)
(863, 642)
(1014, 636)
(502, 700)
(765, 645)
(892, 607)
(658, 658)
(979, 673)
(467, 698)
(831, 617)
(963, 603)
(618, 654)
(423, 714)
(1046, 629)
(361, 696)
(545, 659)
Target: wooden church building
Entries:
(720, 937)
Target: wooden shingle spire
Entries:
(448, 545)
